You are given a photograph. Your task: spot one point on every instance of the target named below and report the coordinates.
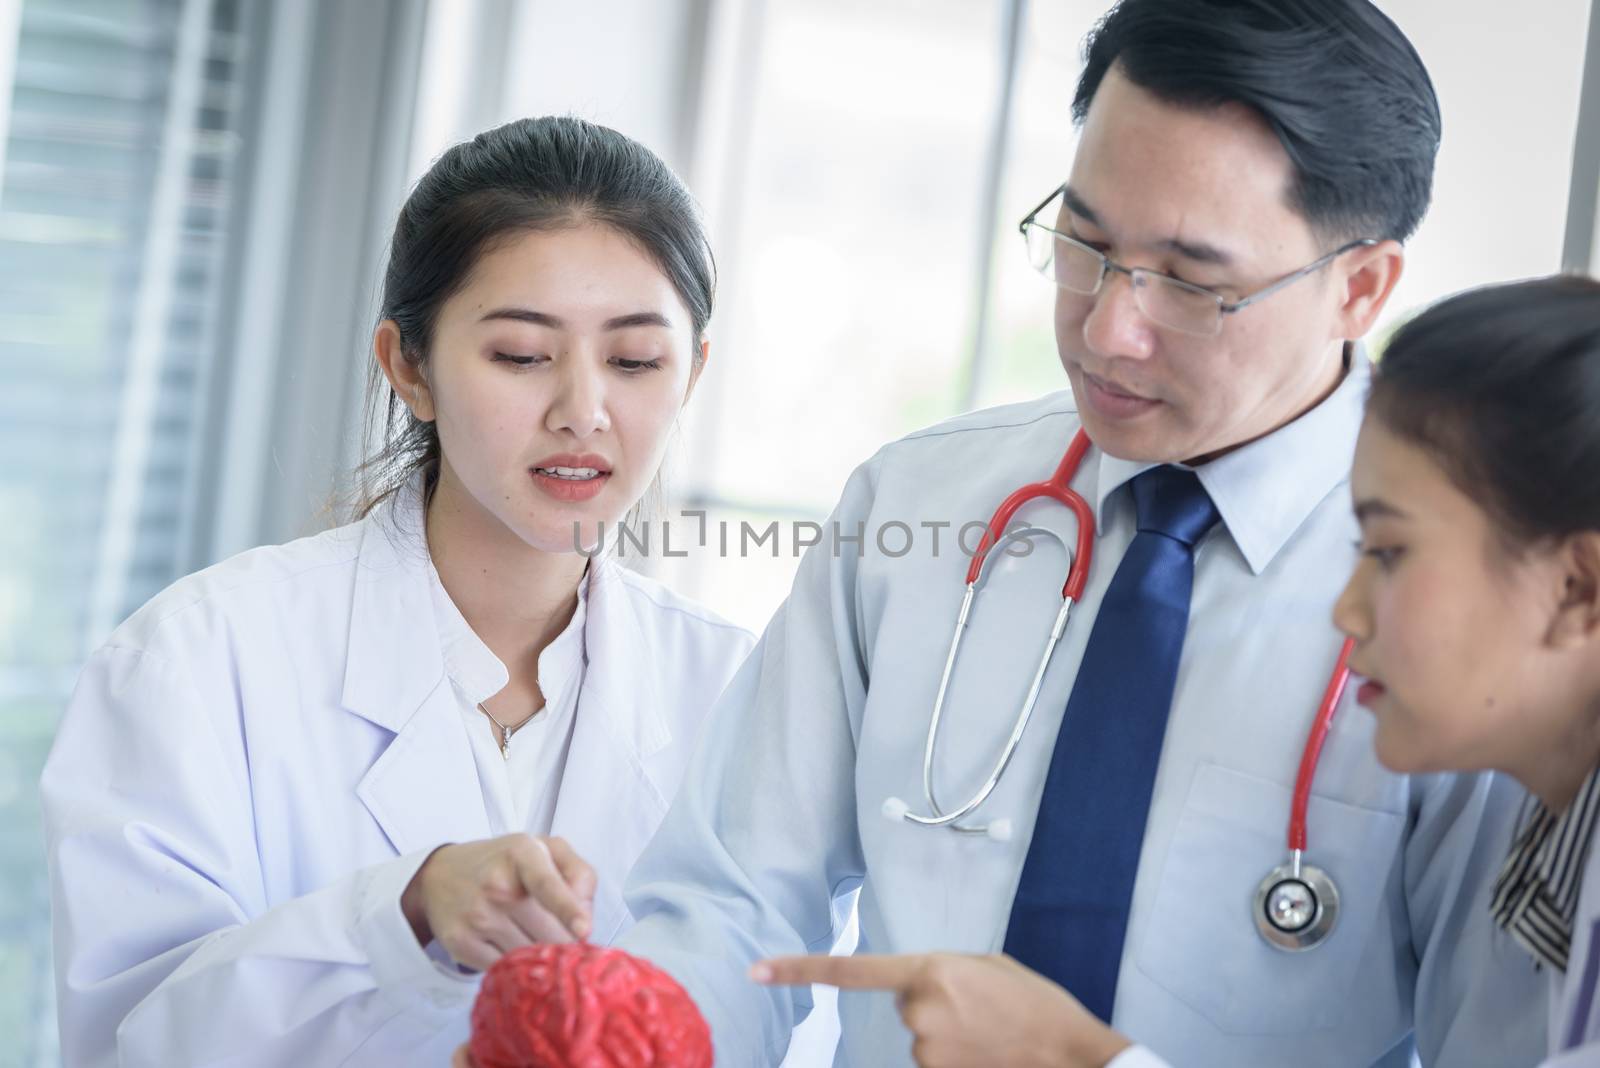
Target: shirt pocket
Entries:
(1201, 943)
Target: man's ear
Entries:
(405, 377)
(1368, 276)
(1577, 618)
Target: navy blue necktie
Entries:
(1071, 910)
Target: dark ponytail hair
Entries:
(527, 176)
(1501, 385)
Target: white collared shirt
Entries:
(520, 786)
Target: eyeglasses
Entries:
(1164, 300)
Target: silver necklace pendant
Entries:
(505, 732)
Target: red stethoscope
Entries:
(1297, 904)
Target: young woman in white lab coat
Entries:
(301, 797)
(1476, 604)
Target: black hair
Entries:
(1335, 80)
(1501, 386)
(530, 175)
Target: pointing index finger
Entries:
(864, 972)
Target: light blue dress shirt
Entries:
(1575, 993)
(781, 812)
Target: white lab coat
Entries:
(257, 762)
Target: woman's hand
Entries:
(966, 1011)
(480, 900)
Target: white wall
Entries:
(1508, 77)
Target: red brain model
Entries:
(583, 1006)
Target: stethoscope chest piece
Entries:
(1296, 906)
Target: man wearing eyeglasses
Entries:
(1231, 227)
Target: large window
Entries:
(114, 205)
(852, 242)
(874, 281)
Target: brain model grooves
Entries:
(583, 1006)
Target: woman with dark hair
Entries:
(1475, 605)
(303, 797)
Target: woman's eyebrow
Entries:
(525, 315)
(1377, 508)
(555, 322)
(647, 318)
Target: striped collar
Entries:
(1536, 895)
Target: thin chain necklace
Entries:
(505, 732)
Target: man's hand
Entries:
(966, 1011)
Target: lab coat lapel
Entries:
(423, 787)
(608, 805)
